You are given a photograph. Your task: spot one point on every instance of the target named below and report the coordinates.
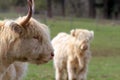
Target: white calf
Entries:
(72, 54)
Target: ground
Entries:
(105, 47)
(100, 68)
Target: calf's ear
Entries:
(92, 35)
(1, 23)
(72, 32)
(16, 27)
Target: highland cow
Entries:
(72, 54)
(23, 40)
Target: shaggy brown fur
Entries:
(23, 40)
(72, 54)
(15, 71)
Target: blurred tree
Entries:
(49, 8)
(92, 12)
(5, 5)
(40, 5)
(63, 7)
(19, 2)
(77, 7)
(62, 2)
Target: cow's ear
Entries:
(1, 23)
(92, 35)
(16, 27)
(72, 32)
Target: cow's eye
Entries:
(36, 37)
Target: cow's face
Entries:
(82, 34)
(26, 39)
(40, 45)
(30, 42)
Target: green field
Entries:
(100, 68)
(105, 48)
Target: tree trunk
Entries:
(63, 7)
(92, 12)
(49, 8)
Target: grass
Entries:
(9, 15)
(42, 72)
(104, 64)
(106, 40)
(100, 68)
(105, 48)
(104, 68)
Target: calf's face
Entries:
(83, 39)
(82, 44)
(82, 34)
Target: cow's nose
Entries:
(52, 54)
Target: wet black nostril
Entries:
(52, 54)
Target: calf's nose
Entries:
(52, 54)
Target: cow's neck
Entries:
(4, 64)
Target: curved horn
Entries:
(29, 15)
(33, 6)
